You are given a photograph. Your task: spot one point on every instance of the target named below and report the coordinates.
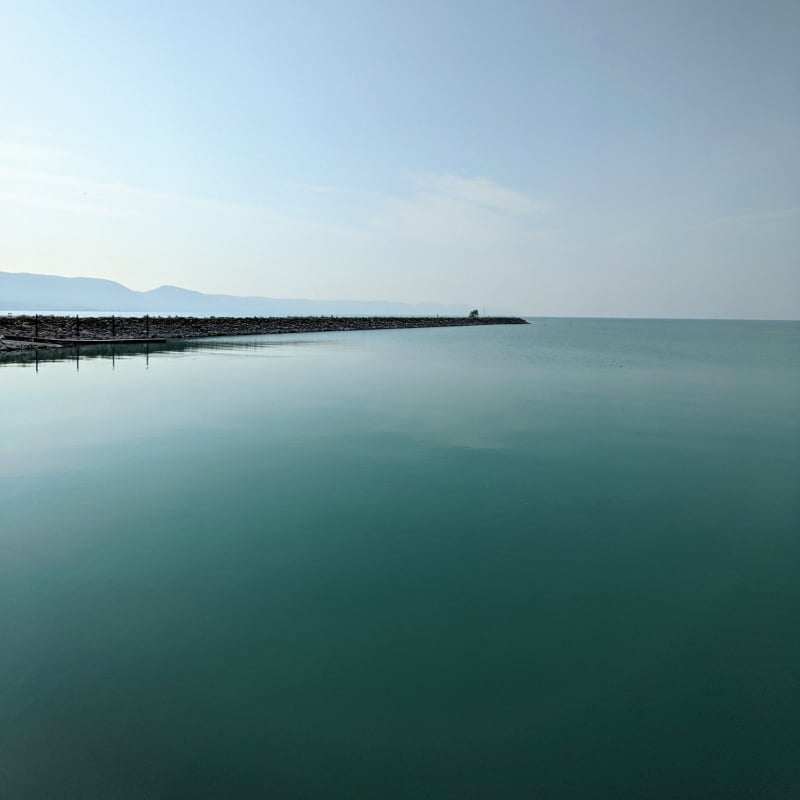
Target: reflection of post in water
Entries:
(74, 349)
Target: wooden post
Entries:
(147, 325)
(113, 327)
(36, 327)
(77, 327)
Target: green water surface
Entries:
(550, 561)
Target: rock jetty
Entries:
(26, 330)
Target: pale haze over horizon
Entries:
(542, 158)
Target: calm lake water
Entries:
(550, 561)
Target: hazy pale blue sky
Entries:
(566, 158)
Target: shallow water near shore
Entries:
(558, 560)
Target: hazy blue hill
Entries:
(28, 291)
(20, 290)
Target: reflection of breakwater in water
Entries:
(37, 356)
(42, 328)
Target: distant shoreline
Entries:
(36, 331)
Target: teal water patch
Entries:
(556, 560)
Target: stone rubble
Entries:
(18, 331)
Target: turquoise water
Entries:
(557, 561)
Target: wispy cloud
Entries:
(23, 153)
(61, 191)
(50, 202)
(483, 193)
(54, 179)
(441, 208)
(316, 188)
(448, 209)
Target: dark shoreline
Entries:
(27, 331)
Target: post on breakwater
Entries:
(77, 327)
(36, 327)
(147, 326)
(113, 327)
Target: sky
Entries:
(563, 158)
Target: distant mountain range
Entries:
(24, 291)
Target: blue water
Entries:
(558, 560)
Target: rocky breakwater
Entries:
(22, 330)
